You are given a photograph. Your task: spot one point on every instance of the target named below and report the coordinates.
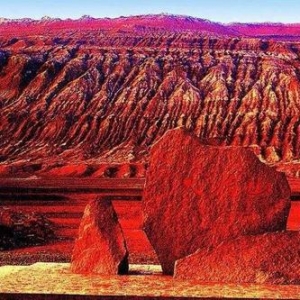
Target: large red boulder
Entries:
(197, 196)
(100, 247)
(271, 258)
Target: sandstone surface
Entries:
(197, 196)
(271, 258)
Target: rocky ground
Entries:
(32, 280)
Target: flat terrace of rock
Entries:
(55, 281)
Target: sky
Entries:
(225, 11)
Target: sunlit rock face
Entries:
(108, 91)
(272, 258)
(100, 247)
(197, 196)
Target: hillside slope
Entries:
(92, 95)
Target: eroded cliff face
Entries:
(89, 96)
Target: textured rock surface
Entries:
(271, 258)
(197, 196)
(77, 96)
(100, 247)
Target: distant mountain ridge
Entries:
(162, 22)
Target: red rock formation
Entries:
(100, 247)
(137, 24)
(272, 258)
(197, 196)
(107, 92)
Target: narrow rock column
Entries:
(100, 247)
